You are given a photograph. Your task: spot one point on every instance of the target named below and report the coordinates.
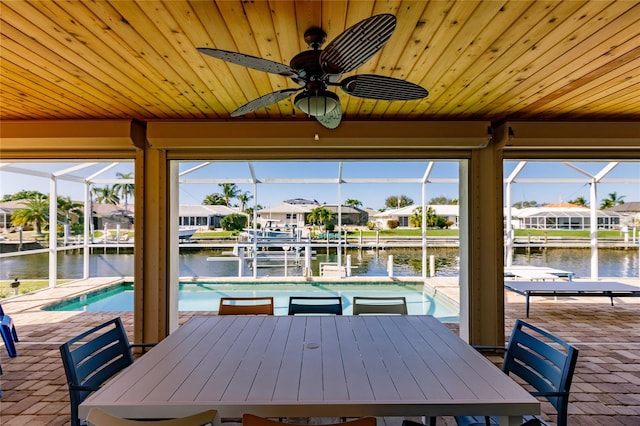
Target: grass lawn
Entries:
(26, 286)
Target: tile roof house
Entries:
(629, 213)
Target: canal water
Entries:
(406, 262)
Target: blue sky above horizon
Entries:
(624, 179)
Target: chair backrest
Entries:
(379, 305)
(545, 362)
(253, 420)
(91, 358)
(315, 305)
(98, 417)
(246, 306)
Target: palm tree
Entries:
(416, 217)
(351, 202)
(66, 207)
(124, 189)
(249, 212)
(580, 201)
(244, 198)
(320, 216)
(215, 199)
(35, 212)
(106, 195)
(397, 201)
(613, 200)
(525, 204)
(229, 191)
(21, 195)
(442, 200)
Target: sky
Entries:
(543, 182)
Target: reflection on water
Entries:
(407, 262)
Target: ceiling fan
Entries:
(316, 70)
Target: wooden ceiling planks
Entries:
(484, 60)
(246, 42)
(224, 77)
(95, 43)
(588, 88)
(143, 19)
(398, 63)
(573, 55)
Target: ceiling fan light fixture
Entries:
(317, 104)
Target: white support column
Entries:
(53, 231)
(593, 195)
(88, 229)
(593, 203)
(339, 250)
(254, 260)
(425, 178)
(240, 261)
(307, 261)
(432, 266)
(508, 225)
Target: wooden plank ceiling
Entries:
(480, 60)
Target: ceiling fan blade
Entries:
(357, 44)
(373, 86)
(331, 120)
(250, 61)
(263, 101)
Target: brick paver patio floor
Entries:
(606, 386)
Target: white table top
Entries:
(313, 366)
(572, 286)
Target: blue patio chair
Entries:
(379, 305)
(530, 422)
(93, 357)
(9, 335)
(543, 361)
(315, 305)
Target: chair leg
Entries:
(7, 336)
(429, 420)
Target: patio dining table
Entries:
(313, 366)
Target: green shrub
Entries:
(393, 224)
(234, 222)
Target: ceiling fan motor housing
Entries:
(307, 64)
(315, 37)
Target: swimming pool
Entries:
(206, 297)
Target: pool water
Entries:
(206, 297)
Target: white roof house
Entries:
(451, 212)
(562, 216)
(285, 215)
(204, 216)
(294, 212)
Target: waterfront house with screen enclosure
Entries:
(477, 83)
